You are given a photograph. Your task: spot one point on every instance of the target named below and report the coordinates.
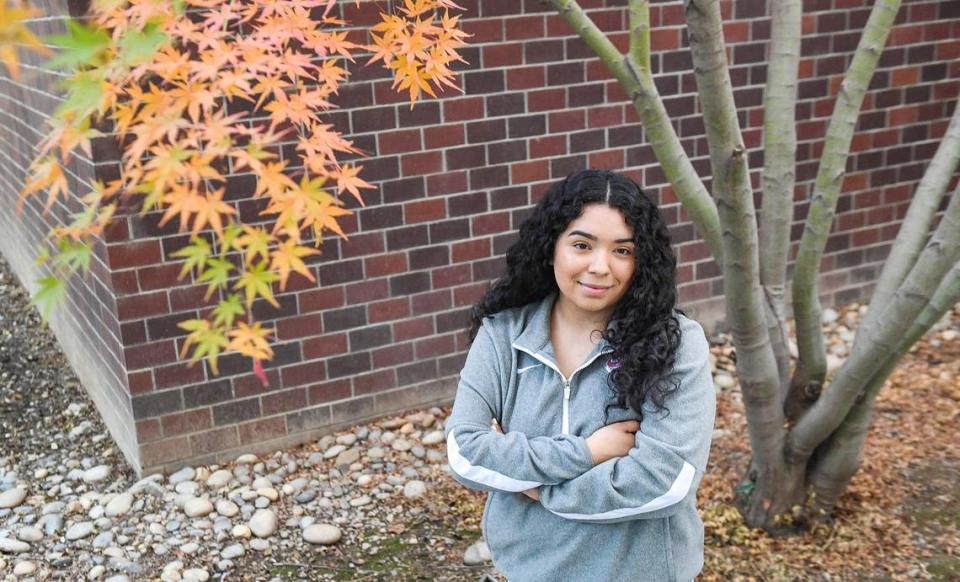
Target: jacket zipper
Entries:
(565, 416)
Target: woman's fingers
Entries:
(495, 426)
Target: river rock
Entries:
(197, 507)
(433, 438)
(219, 479)
(322, 533)
(263, 524)
(12, 497)
(414, 488)
(96, 474)
(119, 505)
(12, 546)
(80, 530)
(477, 554)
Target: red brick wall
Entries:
(381, 329)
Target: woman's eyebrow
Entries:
(591, 237)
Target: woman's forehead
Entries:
(601, 222)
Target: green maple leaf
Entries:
(139, 46)
(256, 281)
(50, 292)
(83, 45)
(84, 95)
(216, 272)
(206, 341)
(196, 254)
(74, 254)
(227, 310)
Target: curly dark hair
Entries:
(643, 330)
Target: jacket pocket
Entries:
(668, 550)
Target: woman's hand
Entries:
(531, 493)
(613, 440)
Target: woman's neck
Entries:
(568, 317)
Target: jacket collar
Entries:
(535, 337)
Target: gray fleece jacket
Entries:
(632, 517)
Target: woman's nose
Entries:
(598, 263)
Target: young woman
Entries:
(585, 407)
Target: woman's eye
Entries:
(624, 251)
(580, 245)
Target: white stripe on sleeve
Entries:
(482, 475)
(678, 491)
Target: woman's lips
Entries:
(593, 289)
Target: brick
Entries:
(262, 430)
(490, 223)
(388, 310)
(423, 210)
(413, 328)
(141, 306)
(186, 422)
(374, 382)
(350, 410)
(134, 254)
(416, 372)
(158, 277)
(367, 291)
(380, 217)
(321, 299)
(449, 230)
(303, 373)
(548, 146)
(340, 319)
(479, 82)
(341, 366)
(324, 346)
(482, 30)
(156, 403)
(489, 177)
(407, 284)
(363, 244)
(433, 347)
(432, 256)
(503, 152)
(341, 272)
(212, 441)
(376, 119)
(207, 393)
(484, 131)
(502, 55)
(329, 391)
(425, 113)
(140, 382)
(443, 136)
(178, 375)
(526, 78)
(395, 142)
(165, 451)
(463, 109)
(469, 294)
(148, 430)
(285, 401)
(466, 157)
(422, 163)
(546, 100)
(370, 337)
(133, 332)
(470, 250)
(149, 355)
(394, 355)
(450, 276)
(404, 238)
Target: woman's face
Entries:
(593, 260)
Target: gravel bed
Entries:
(371, 503)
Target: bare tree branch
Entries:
(779, 176)
(811, 364)
(638, 84)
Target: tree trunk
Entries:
(779, 176)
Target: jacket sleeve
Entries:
(668, 461)
(481, 458)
